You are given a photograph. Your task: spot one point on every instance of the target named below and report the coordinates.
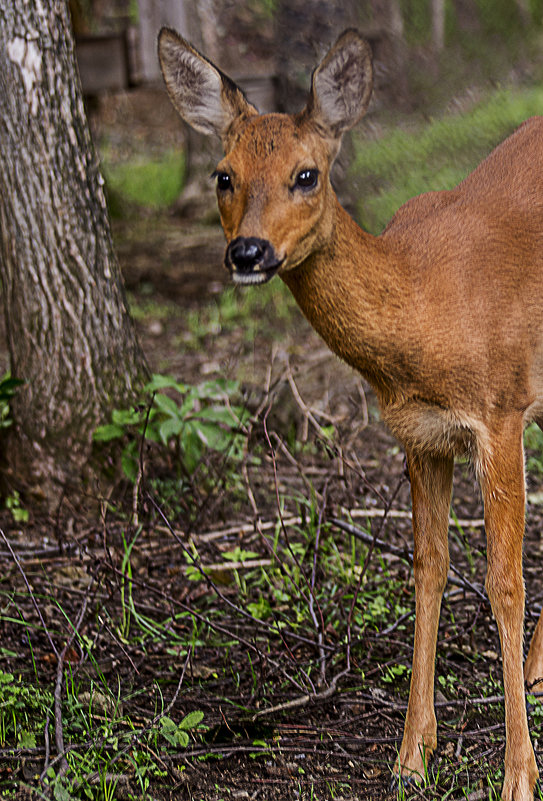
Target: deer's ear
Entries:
(205, 97)
(341, 85)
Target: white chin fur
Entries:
(250, 278)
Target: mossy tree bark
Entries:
(70, 336)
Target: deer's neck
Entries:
(355, 292)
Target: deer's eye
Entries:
(224, 182)
(307, 179)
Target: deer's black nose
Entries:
(246, 253)
(251, 260)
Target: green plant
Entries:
(449, 683)
(190, 420)
(113, 744)
(127, 602)
(464, 541)
(393, 673)
(177, 734)
(533, 441)
(267, 312)
(23, 710)
(8, 387)
(18, 512)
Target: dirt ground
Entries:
(340, 741)
(340, 745)
(182, 263)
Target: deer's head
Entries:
(273, 184)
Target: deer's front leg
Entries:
(501, 468)
(431, 483)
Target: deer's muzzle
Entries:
(251, 260)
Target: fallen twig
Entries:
(403, 553)
(476, 522)
(303, 700)
(318, 629)
(31, 594)
(296, 520)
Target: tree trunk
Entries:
(305, 29)
(153, 14)
(197, 199)
(69, 333)
(438, 25)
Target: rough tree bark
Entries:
(69, 333)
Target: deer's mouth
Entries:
(251, 260)
(258, 275)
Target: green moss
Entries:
(144, 182)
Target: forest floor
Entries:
(300, 693)
(221, 632)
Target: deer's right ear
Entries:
(205, 97)
(341, 86)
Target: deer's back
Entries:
(474, 257)
(509, 180)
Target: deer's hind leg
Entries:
(501, 473)
(533, 667)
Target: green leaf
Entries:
(61, 793)
(191, 445)
(182, 738)
(240, 555)
(150, 430)
(171, 427)
(216, 414)
(213, 437)
(216, 390)
(159, 382)
(126, 417)
(8, 385)
(107, 432)
(169, 730)
(191, 720)
(129, 464)
(187, 406)
(177, 735)
(166, 404)
(260, 610)
(26, 739)
(20, 515)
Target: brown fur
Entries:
(443, 314)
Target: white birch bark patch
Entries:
(29, 58)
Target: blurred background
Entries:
(453, 78)
(432, 58)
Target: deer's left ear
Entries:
(341, 85)
(206, 98)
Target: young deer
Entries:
(442, 313)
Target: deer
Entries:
(442, 313)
